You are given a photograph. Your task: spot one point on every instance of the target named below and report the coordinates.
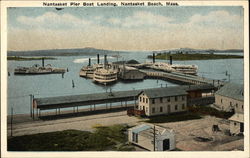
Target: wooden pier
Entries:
(181, 78)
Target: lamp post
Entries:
(11, 122)
(134, 98)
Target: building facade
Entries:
(236, 123)
(131, 74)
(231, 98)
(162, 101)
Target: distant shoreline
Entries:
(197, 56)
(28, 58)
(94, 51)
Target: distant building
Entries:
(153, 138)
(131, 73)
(236, 123)
(162, 101)
(230, 98)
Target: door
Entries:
(166, 144)
(169, 109)
(241, 127)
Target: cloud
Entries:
(114, 21)
(140, 31)
(53, 21)
(141, 19)
(217, 19)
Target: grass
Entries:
(103, 138)
(165, 56)
(173, 118)
(28, 58)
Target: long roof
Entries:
(85, 97)
(232, 90)
(238, 117)
(116, 96)
(164, 92)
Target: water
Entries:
(20, 87)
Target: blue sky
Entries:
(126, 28)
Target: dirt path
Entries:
(85, 123)
(186, 131)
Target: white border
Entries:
(231, 154)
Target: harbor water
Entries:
(49, 85)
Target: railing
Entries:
(196, 80)
(135, 112)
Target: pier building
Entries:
(152, 138)
(131, 73)
(231, 98)
(162, 101)
(237, 124)
(122, 97)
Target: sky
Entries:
(125, 28)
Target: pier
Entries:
(108, 98)
(181, 78)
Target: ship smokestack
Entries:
(89, 61)
(105, 61)
(43, 62)
(153, 57)
(170, 58)
(98, 59)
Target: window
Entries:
(183, 97)
(242, 106)
(161, 109)
(146, 100)
(176, 98)
(221, 100)
(140, 99)
(146, 109)
(161, 99)
(153, 101)
(153, 110)
(230, 103)
(176, 107)
(168, 99)
(236, 105)
(183, 106)
(235, 123)
(143, 100)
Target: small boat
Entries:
(37, 70)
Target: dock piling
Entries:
(73, 84)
